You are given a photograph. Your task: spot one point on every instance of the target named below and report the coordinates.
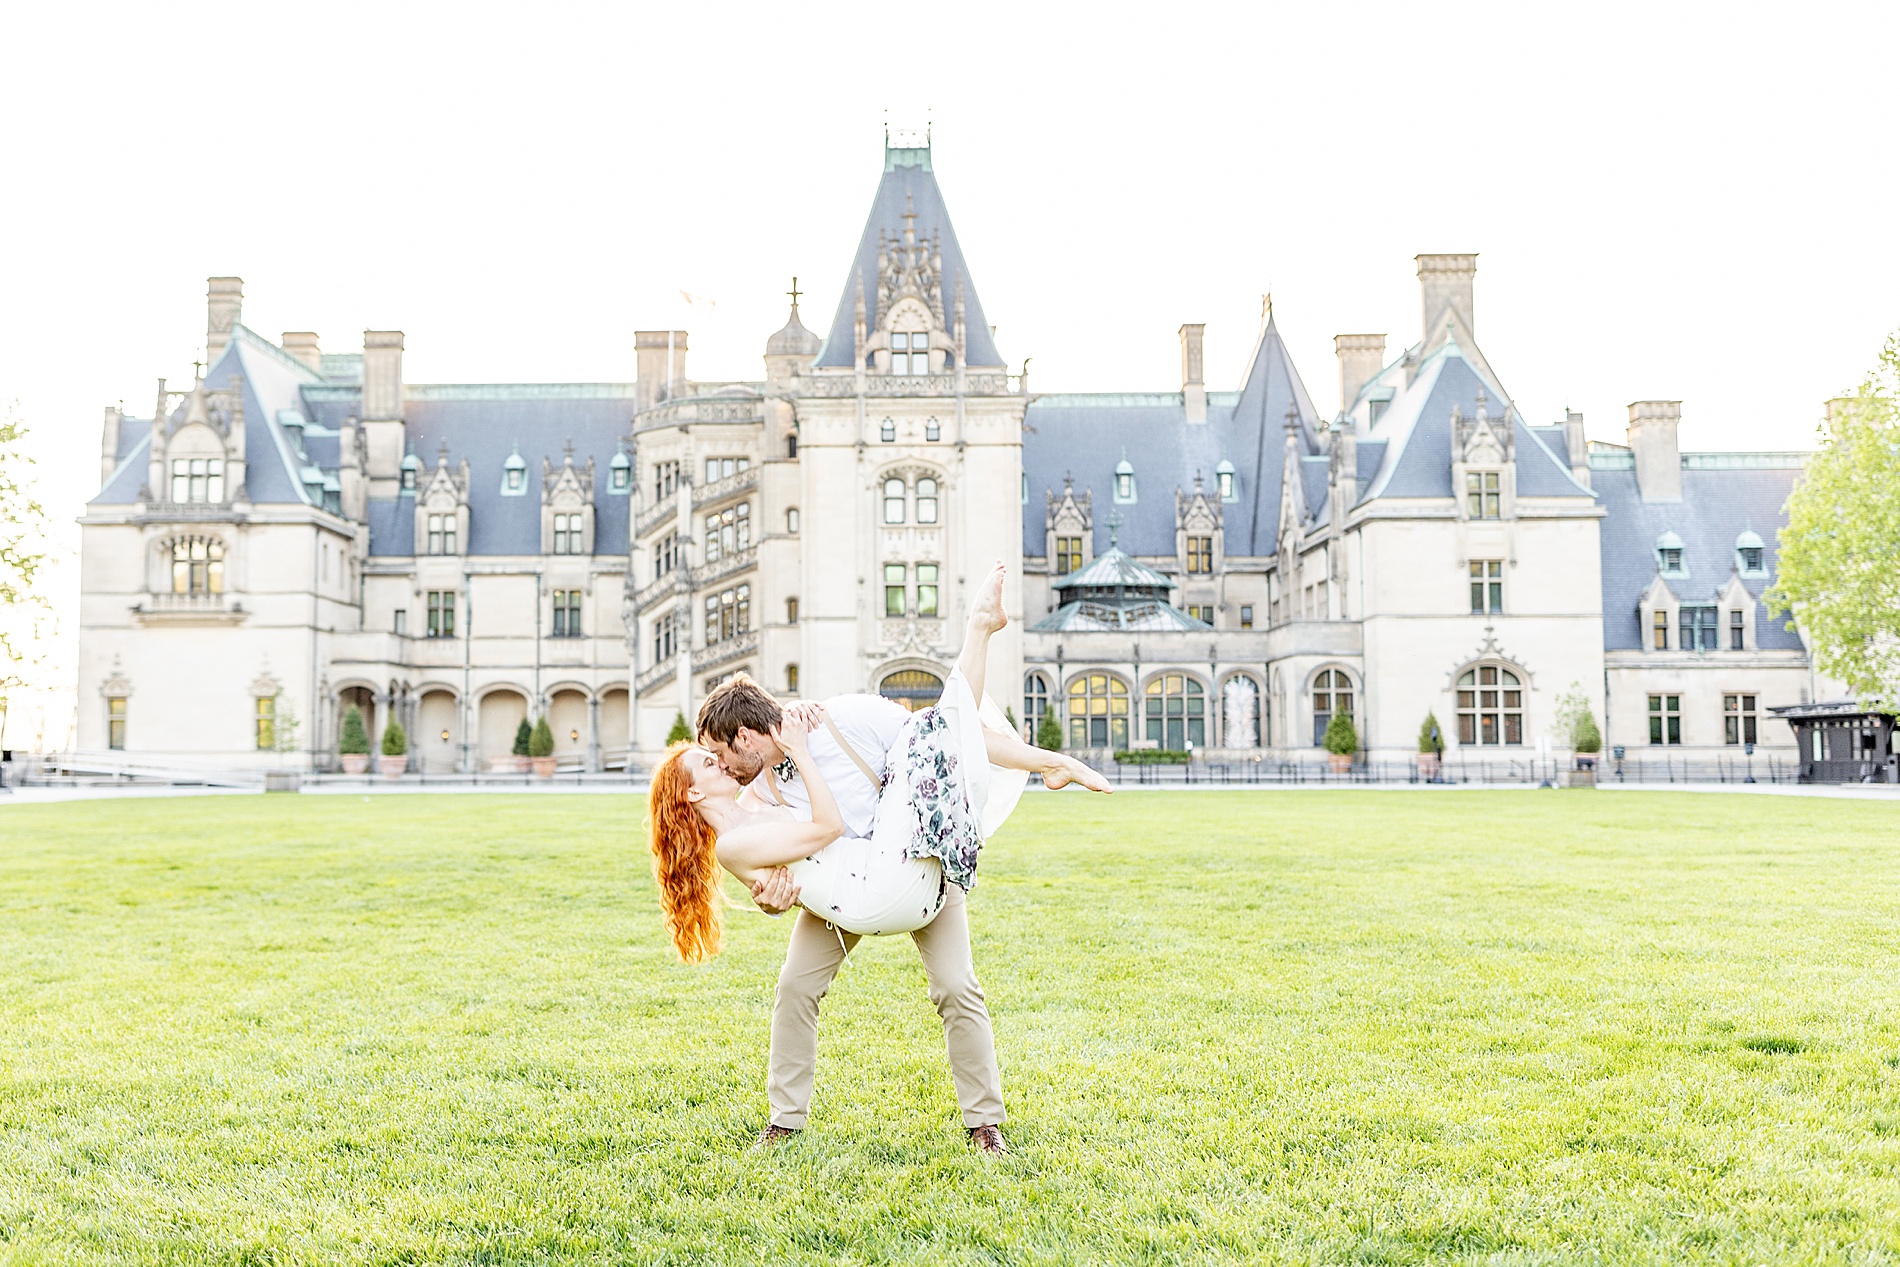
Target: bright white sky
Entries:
(1668, 201)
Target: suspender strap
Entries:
(851, 752)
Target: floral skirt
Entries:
(940, 800)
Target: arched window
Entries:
(1035, 701)
(888, 432)
(1177, 712)
(913, 688)
(926, 501)
(198, 566)
(1332, 693)
(893, 501)
(1240, 713)
(1098, 712)
(1490, 706)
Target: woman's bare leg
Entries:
(986, 617)
(1057, 769)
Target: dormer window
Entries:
(1669, 555)
(620, 473)
(1483, 496)
(409, 466)
(1751, 558)
(197, 479)
(887, 432)
(1749, 554)
(1672, 560)
(1124, 479)
(933, 431)
(514, 475)
(514, 480)
(1224, 478)
(910, 352)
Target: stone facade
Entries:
(299, 532)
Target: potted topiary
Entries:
(353, 744)
(395, 758)
(1341, 741)
(1431, 748)
(1049, 733)
(680, 731)
(517, 760)
(541, 748)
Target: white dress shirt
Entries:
(872, 725)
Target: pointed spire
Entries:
(1114, 527)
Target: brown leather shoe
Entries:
(773, 1134)
(989, 1139)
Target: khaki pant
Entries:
(813, 959)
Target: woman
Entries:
(927, 831)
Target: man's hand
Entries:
(776, 894)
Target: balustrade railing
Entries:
(678, 581)
(726, 565)
(655, 674)
(720, 653)
(731, 486)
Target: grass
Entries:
(1496, 1027)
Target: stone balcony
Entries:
(726, 489)
(655, 675)
(653, 516)
(729, 565)
(723, 653)
(190, 609)
(678, 581)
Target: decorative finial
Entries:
(442, 454)
(568, 452)
(1197, 483)
(197, 369)
(794, 293)
(1266, 305)
(1114, 527)
(1068, 483)
(1292, 418)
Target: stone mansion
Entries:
(297, 531)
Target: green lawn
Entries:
(1502, 1027)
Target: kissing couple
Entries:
(870, 819)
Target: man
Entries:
(735, 723)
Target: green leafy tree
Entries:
(1049, 732)
(23, 611)
(1575, 725)
(1835, 572)
(284, 726)
(541, 742)
(524, 736)
(1341, 739)
(1430, 738)
(680, 729)
(395, 740)
(355, 739)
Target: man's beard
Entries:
(743, 766)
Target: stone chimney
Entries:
(1445, 282)
(1577, 447)
(302, 344)
(382, 411)
(1361, 356)
(1193, 381)
(109, 443)
(1658, 457)
(657, 379)
(224, 308)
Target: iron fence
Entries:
(1529, 771)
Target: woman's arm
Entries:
(750, 851)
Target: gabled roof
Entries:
(1085, 434)
(908, 182)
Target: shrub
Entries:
(1430, 738)
(541, 742)
(1154, 756)
(1049, 733)
(1341, 739)
(524, 734)
(1574, 724)
(1586, 737)
(680, 729)
(354, 742)
(395, 741)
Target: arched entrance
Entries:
(438, 739)
(500, 713)
(913, 688)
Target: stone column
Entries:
(593, 732)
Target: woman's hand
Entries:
(790, 736)
(806, 713)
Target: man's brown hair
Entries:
(735, 703)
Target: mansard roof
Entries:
(1086, 434)
(1722, 499)
(908, 183)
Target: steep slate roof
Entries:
(1087, 434)
(1717, 506)
(908, 176)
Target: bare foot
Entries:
(1072, 771)
(987, 612)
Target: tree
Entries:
(680, 729)
(1835, 572)
(1341, 739)
(284, 726)
(1575, 725)
(1430, 738)
(541, 741)
(354, 741)
(395, 740)
(23, 610)
(1049, 732)
(524, 736)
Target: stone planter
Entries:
(283, 780)
(543, 767)
(1586, 777)
(508, 765)
(354, 762)
(1340, 761)
(390, 767)
(1428, 765)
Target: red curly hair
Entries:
(684, 863)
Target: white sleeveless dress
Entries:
(941, 798)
